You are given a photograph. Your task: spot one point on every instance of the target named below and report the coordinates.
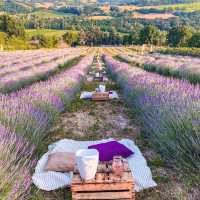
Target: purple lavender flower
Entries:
(168, 108)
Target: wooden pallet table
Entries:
(98, 78)
(104, 186)
(100, 96)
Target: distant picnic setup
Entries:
(96, 170)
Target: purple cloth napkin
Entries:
(109, 149)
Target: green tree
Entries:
(149, 35)
(71, 37)
(12, 27)
(46, 42)
(179, 36)
(82, 37)
(194, 40)
(127, 39)
(162, 38)
(115, 37)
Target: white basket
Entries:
(102, 88)
(87, 162)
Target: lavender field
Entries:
(39, 87)
(183, 67)
(26, 115)
(22, 69)
(168, 107)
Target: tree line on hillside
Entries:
(122, 21)
(176, 37)
(179, 36)
(13, 35)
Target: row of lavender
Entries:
(183, 67)
(25, 117)
(23, 72)
(169, 109)
(17, 57)
(9, 58)
(31, 60)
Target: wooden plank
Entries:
(127, 176)
(76, 179)
(105, 177)
(100, 96)
(102, 187)
(102, 195)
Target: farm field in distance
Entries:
(99, 17)
(189, 7)
(152, 16)
(48, 14)
(47, 32)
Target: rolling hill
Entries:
(59, 3)
(15, 6)
(147, 2)
(24, 6)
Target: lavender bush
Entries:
(24, 71)
(26, 116)
(169, 109)
(31, 110)
(15, 164)
(183, 67)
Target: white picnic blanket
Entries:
(53, 180)
(88, 95)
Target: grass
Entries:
(49, 14)
(13, 43)
(162, 179)
(157, 162)
(100, 17)
(47, 32)
(182, 7)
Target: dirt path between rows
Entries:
(88, 120)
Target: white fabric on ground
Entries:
(90, 79)
(114, 95)
(88, 95)
(53, 180)
(105, 79)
